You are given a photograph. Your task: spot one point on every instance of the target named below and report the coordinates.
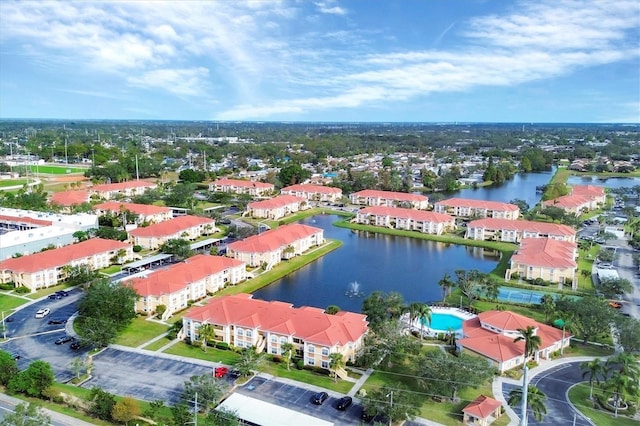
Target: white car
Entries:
(43, 313)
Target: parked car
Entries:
(43, 313)
(55, 296)
(75, 345)
(15, 356)
(62, 293)
(57, 321)
(319, 398)
(64, 339)
(220, 372)
(344, 403)
(8, 319)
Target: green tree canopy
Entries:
(34, 380)
(26, 415)
(8, 367)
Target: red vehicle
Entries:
(219, 372)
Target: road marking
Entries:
(37, 334)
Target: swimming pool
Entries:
(442, 322)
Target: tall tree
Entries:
(470, 283)
(535, 401)
(446, 284)
(8, 367)
(336, 362)
(548, 304)
(287, 350)
(388, 345)
(34, 380)
(249, 361)
(125, 410)
(26, 415)
(208, 391)
(532, 341)
(395, 402)
(206, 333)
(594, 369)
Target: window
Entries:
(274, 339)
(274, 350)
(247, 333)
(325, 364)
(311, 361)
(283, 340)
(311, 349)
(325, 351)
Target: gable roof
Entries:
(523, 225)
(546, 253)
(402, 213)
(61, 256)
(274, 238)
(478, 204)
(119, 186)
(178, 276)
(568, 201)
(307, 323)
(274, 203)
(70, 198)
(390, 195)
(171, 227)
(141, 209)
(588, 190)
(307, 187)
(482, 407)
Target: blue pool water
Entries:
(442, 322)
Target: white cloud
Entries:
(181, 82)
(328, 8)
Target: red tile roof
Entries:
(274, 238)
(123, 185)
(276, 202)
(70, 198)
(482, 407)
(498, 346)
(523, 225)
(568, 201)
(171, 227)
(588, 190)
(309, 324)
(24, 220)
(141, 209)
(390, 195)
(243, 183)
(61, 256)
(177, 277)
(418, 215)
(478, 204)
(313, 188)
(546, 253)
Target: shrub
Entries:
(160, 310)
(300, 364)
(137, 248)
(22, 290)
(222, 345)
(7, 286)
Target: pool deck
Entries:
(432, 332)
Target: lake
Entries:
(612, 182)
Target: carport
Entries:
(140, 265)
(264, 413)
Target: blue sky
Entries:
(326, 60)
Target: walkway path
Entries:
(155, 339)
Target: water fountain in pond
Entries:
(354, 289)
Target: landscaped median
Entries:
(579, 397)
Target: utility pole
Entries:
(137, 172)
(523, 419)
(390, 395)
(195, 410)
(4, 328)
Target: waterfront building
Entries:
(238, 186)
(514, 231)
(466, 208)
(186, 227)
(314, 192)
(547, 259)
(243, 322)
(406, 219)
(581, 199)
(277, 207)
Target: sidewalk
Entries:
(56, 418)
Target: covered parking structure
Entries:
(147, 262)
(205, 246)
(258, 412)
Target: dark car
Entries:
(319, 398)
(62, 293)
(15, 356)
(225, 221)
(57, 321)
(55, 296)
(63, 340)
(344, 403)
(75, 345)
(8, 319)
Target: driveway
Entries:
(555, 382)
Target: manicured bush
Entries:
(300, 364)
(160, 310)
(7, 286)
(22, 290)
(137, 248)
(222, 345)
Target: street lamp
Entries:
(390, 396)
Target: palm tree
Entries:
(531, 341)
(446, 284)
(336, 362)
(206, 332)
(395, 305)
(548, 305)
(423, 314)
(621, 386)
(593, 368)
(535, 401)
(287, 351)
(249, 360)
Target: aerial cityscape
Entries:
(320, 213)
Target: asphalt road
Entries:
(555, 383)
(33, 339)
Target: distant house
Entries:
(70, 198)
(465, 207)
(146, 213)
(243, 322)
(277, 207)
(50, 267)
(272, 246)
(582, 199)
(132, 188)
(185, 227)
(514, 231)
(191, 279)
(550, 260)
(492, 333)
(372, 197)
(238, 186)
(314, 192)
(407, 219)
(482, 411)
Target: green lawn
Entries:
(56, 170)
(4, 183)
(580, 349)
(9, 302)
(212, 354)
(157, 344)
(139, 331)
(113, 269)
(306, 376)
(47, 291)
(579, 396)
